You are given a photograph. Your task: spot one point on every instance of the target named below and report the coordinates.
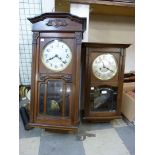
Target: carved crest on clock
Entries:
(67, 78)
(57, 23)
(35, 36)
(78, 37)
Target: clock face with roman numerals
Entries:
(56, 56)
(104, 66)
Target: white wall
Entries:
(114, 29)
(81, 10)
(48, 6)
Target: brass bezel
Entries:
(116, 70)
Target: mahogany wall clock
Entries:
(56, 70)
(102, 72)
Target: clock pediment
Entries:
(58, 22)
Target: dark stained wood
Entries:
(111, 7)
(107, 45)
(60, 127)
(62, 22)
(69, 29)
(113, 10)
(90, 51)
(105, 2)
(101, 118)
(129, 77)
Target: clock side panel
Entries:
(35, 48)
(121, 79)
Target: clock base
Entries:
(55, 128)
(101, 119)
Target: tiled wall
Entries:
(27, 8)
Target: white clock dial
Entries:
(56, 56)
(104, 67)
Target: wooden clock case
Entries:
(90, 51)
(44, 83)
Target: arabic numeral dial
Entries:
(56, 55)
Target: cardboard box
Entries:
(128, 102)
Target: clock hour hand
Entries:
(64, 62)
(59, 58)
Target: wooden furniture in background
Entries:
(106, 7)
(110, 7)
(128, 102)
(129, 77)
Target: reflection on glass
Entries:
(57, 98)
(41, 98)
(54, 97)
(67, 99)
(103, 98)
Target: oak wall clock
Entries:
(56, 70)
(102, 72)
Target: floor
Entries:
(114, 138)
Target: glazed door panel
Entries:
(54, 101)
(103, 99)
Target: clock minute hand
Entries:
(107, 67)
(52, 57)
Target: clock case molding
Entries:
(90, 51)
(69, 29)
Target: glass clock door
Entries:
(103, 99)
(54, 98)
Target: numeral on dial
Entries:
(56, 55)
(67, 56)
(65, 62)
